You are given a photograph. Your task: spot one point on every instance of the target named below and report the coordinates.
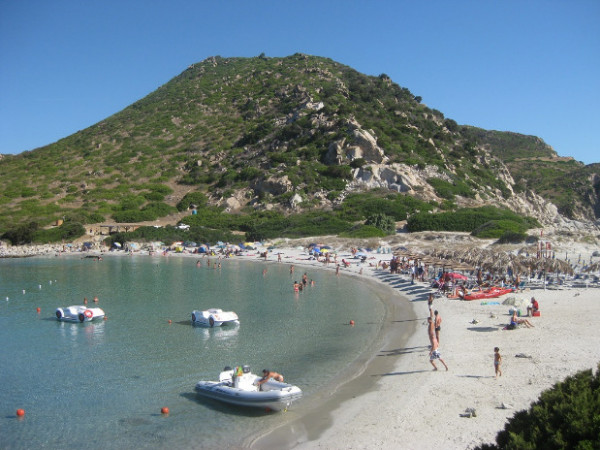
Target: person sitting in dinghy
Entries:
(267, 375)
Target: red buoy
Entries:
(20, 412)
(164, 410)
(38, 309)
(352, 322)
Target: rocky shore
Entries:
(24, 251)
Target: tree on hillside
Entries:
(383, 222)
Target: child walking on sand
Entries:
(497, 361)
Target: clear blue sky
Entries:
(532, 66)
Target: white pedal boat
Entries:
(79, 313)
(214, 318)
(239, 387)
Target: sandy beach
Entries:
(393, 399)
(398, 401)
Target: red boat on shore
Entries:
(479, 294)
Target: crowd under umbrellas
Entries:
(505, 267)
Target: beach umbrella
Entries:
(592, 267)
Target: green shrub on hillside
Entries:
(215, 218)
(364, 232)
(496, 228)
(21, 234)
(511, 237)
(295, 226)
(567, 416)
(66, 232)
(361, 205)
(383, 222)
(448, 190)
(466, 219)
(198, 199)
(170, 234)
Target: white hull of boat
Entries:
(214, 318)
(79, 313)
(243, 391)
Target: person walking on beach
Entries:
(435, 354)
(438, 325)
(431, 330)
(497, 362)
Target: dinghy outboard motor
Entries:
(246, 368)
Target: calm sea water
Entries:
(101, 385)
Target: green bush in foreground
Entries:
(567, 416)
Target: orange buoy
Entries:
(20, 412)
(352, 322)
(38, 309)
(164, 410)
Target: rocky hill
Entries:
(291, 134)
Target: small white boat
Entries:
(214, 318)
(79, 313)
(239, 387)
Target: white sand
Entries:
(414, 407)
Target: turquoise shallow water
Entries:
(101, 385)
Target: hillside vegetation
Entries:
(281, 135)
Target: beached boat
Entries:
(238, 386)
(214, 318)
(79, 313)
(480, 294)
